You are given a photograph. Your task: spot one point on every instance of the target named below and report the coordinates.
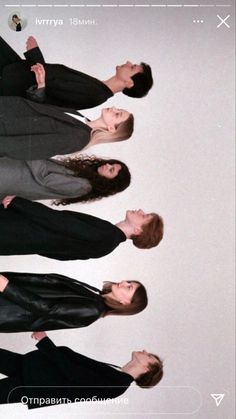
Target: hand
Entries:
(31, 43)
(38, 335)
(3, 283)
(7, 200)
(39, 72)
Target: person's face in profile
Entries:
(112, 117)
(15, 19)
(125, 71)
(123, 291)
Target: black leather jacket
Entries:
(35, 302)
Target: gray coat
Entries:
(40, 179)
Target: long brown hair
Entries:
(87, 167)
(137, 304)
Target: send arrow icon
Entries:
(218, 398)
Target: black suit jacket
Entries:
(76, 375)
(33, 302)
(32, 228)
(33, 131)
(64, 86)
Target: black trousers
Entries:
(7, 55)
(15, 74)
(10, 365)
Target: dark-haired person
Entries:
(63, 86)
(78, 179)
(17, 23)
(52, 372)
(32, 228)
(32, 301)
(34, 131)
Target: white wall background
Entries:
(181, 157)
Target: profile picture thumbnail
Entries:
(17, 22)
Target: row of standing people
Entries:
(38, 121)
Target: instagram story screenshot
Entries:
(117, 193)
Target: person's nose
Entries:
(128, 63)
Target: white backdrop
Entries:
(181, 157)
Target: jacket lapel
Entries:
(58, 113)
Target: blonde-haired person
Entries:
(58, 372)
(32, 301)
(32, 131)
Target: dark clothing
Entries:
(34, 302)
(32, 131)
(15, 74)
(64, 86)
(58, 366)
(32, 228)
(18, 27)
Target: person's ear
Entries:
(111, 128)
(129, 83)
(137, 231)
